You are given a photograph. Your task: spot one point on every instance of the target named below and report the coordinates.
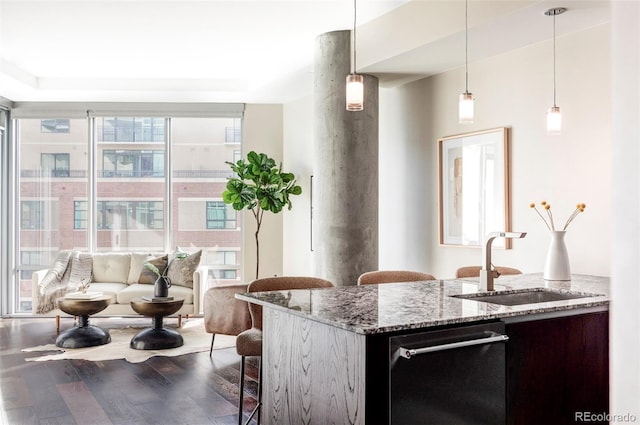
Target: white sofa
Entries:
(116, 275)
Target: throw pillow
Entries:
(149, 277)
(181, 269)
(137, 265)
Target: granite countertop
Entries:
(373, 309)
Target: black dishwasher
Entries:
(449, 376)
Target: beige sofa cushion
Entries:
(108, 289)
(111, 267)
(137, 263)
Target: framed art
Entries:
(474, 187)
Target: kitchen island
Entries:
(339, 355)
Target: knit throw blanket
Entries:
(70, 269)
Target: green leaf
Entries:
(260, 185)
(253, 158)
(287, 177)
(153, 268)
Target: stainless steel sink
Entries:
(526, 296)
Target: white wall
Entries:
(512, 90)
(625, 206)
(298, 158)
(262, 132)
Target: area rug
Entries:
(193, 333)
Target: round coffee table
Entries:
(83, 335)
(158, 337)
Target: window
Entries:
(129, 129)
(222, 274)
(121, 215)
(32, 261)
(54, 126)
(232, 135)
(227, 274)
(57, 164)
(220, 216)
(132, 163)
(129, 215)
(128, 211)
(79, 215)
(31, 215)
(222, 257)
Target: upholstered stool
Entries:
(474, 271)
(390, 276)
(223, 313)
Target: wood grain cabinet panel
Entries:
(557, 368)
(313, 373)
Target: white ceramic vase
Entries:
(557, 265)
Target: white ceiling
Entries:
(258, 51)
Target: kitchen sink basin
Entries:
(527, 296)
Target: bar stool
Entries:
(390, 276)
(249, 342)
(474, 271)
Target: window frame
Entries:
(58, 126)
(138, 157)
(226, 221)
(37, 212)
(57, 172)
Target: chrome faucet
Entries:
(488, 273)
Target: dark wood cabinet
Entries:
(557, 369)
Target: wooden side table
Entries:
(84, 334)
(158, 337)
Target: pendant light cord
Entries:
(355, 14)
(466, 46)
(554, 60)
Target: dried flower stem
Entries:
(548, 209)
(579, 208)
(541, 216)
(549, 222)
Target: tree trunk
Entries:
(257, 253)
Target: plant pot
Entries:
(161, 287)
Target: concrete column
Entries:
(345, 182)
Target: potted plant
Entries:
(162, 284)
(259, 185)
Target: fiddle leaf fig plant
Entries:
(259, 185)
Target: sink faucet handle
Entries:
(495, 271)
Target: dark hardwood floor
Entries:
(190, 389)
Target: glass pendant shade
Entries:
(355, 92)
(465, 108)
(554, 120)
(554, 117)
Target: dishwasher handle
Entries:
(407, 353)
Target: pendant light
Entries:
(554, 117)
(465, 103)
(355, 82)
